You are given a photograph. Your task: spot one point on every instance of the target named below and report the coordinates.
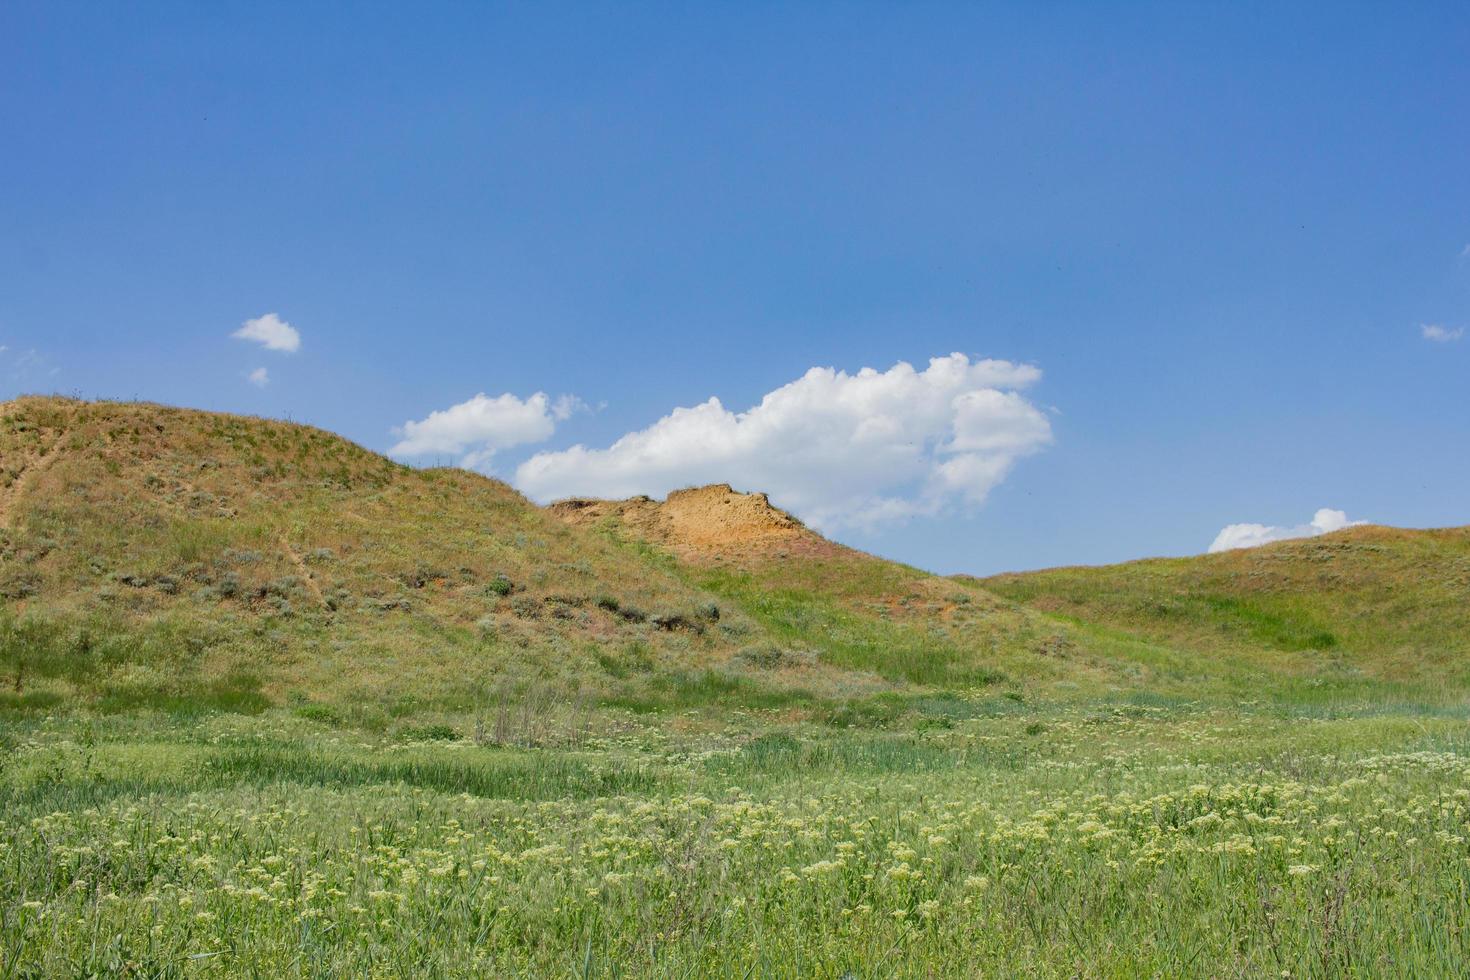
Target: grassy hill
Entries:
(1315, 624)
(815, 600)
(150, 552)
(1383, 604)
(184, 559)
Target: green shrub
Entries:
(428, 733)
(324, 713)
(634, 658)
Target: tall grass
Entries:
(843, 638)
(1121, 838)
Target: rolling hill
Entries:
(185, 559)
(1379, 602)
(161, 555)
(150, 550)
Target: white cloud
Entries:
(1253, 535)
(271, 332)
(476, 429)
(1441, 335)
(837, 449)
(260, 377)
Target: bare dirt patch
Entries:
(706, 523)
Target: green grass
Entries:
(681, 691)
(239, 693)
(1392, 605)
(1109, 838)
(895, 651)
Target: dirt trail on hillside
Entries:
(708, 522)
(307, 578)
(28, 469)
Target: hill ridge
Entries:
(1368, 530)
(147, 550)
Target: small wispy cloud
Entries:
(260, 377)
(1441, 335)
(271, 332)
(566, 406)
(25, 366)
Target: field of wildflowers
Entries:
(1093, 839)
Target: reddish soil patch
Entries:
(706, 523)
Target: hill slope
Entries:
(1379, 602)
(143, 545)
(819, 600)
(155, 554)
(158, 556)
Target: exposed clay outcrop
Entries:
(710, 522)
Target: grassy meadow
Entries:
(272, 705)
(980, 836)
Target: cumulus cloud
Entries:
(1441, 335)
(271, 332)
(260, 377)
(476, 429)
(837, 449)
(1252, 535)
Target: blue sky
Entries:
(1217, 231)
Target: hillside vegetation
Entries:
(168, 557)
(149, 551)
(1388, 604)
(176, 558)
(274, 705)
